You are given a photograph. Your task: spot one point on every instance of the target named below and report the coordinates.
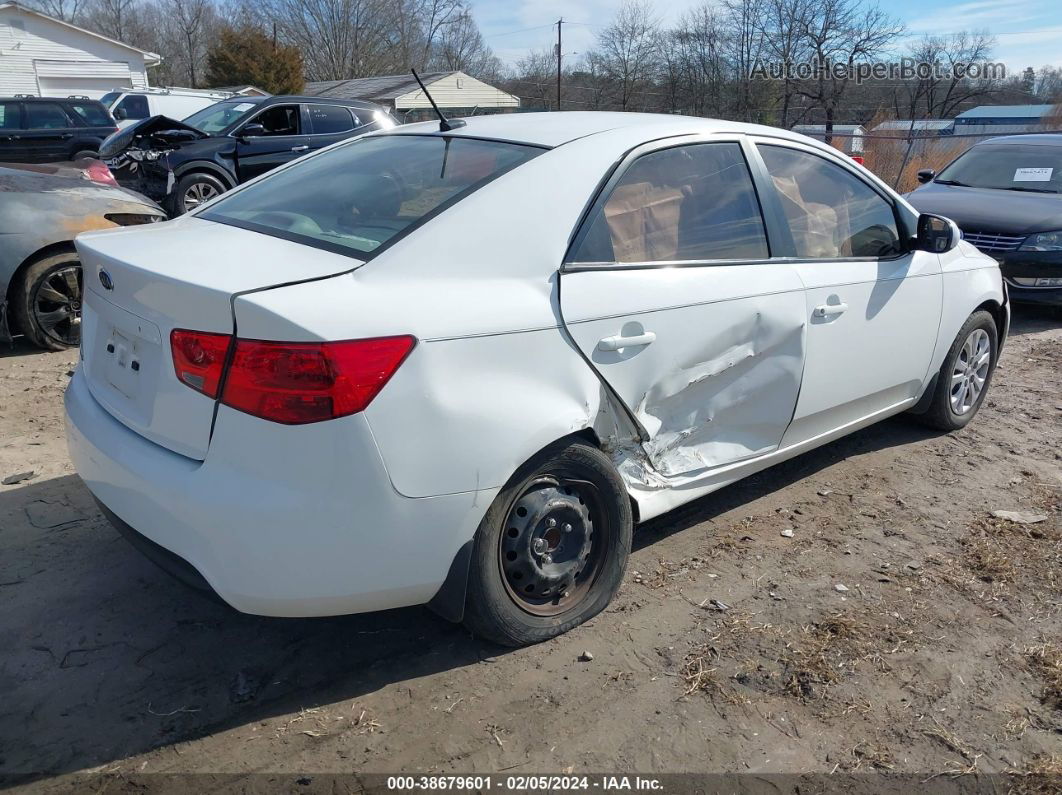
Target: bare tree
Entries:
(842, 32)
(118, 19)
(628, 52)
(66, 10)
(744, 44)
(941, 97)
(461, 46)
(783, 25)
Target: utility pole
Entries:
(559, 23)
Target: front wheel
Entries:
(963, 380)
(47, 302)
(551, 551)
(193, 190)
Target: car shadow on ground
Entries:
(19, 346)
(103, 656)
(1030, 318)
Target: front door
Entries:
(280, 141)
(873, 305)
(670, 293)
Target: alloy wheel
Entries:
(57, 304)
(971, 371)
(197, 193)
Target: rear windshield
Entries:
(1034, 168)
(354, 199)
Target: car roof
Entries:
(1037, 139)
(560, 127)
(48, 99)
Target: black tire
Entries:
(941, 413)
(86, 153)
(184, 196)
(46, 305)
(577, 499)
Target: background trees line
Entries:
(699, 65)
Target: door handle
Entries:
(66, 136)
(299, 148)
(829, 310)
(619, 341)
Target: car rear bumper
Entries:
(278, 520)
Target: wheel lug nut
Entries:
(547, 558)
(567, 528)
(551, 522)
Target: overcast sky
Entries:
(1029, 32)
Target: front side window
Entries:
(330, 119)
(1020, 167)
(92, 114)
(281, 120)
(134, 106)
(354, 199)
(45, 116)
(687, 203)
(831, 213)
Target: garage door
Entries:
(90, 79)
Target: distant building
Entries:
(456, 93)
(1000, 119)
(917, 127)
(847, 137)
(46, 57)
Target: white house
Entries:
(456, 93)
(44, 56)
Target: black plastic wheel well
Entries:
(996, 311)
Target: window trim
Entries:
(906, 247)
(622, 166)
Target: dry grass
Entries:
(823, 653)
(1045, 660)
(1043, 776)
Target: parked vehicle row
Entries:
(456, 366)
(47, 130)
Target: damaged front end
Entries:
(139, 155)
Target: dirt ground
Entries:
(901, 627)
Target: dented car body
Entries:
(42, 209)
(638, 284)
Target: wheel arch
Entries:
(999, 314)
(205, 166)
(15, 282)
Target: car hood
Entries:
(161, 130)
(989, 209)
(60, 185)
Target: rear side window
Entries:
(832, 214)
(10, 117)
(45, 116)
(687, 203)
(330, 119)
(133, 106)
(91, 113)
(354, 199)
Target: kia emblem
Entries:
(105, 280)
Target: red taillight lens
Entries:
(297, 382)
(97, 171)
(199, 358)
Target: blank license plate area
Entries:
(123, 357)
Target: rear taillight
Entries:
(199, 359)
(291, 382)
(97, 171)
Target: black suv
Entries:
(48, 130)
(182, 164)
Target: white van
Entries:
(177, 103)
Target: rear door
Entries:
(873, 304)
(669, 291)
(47, 133)
(12, 146)
(283, 140)
(330, 124)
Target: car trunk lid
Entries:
(142, 283)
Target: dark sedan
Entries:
(1006, 195)
(182, 164)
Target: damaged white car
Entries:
(457, 366)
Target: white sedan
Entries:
(457, 367)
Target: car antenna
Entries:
(445, 125)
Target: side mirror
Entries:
(121, 114)
(937, 234)
(252, 130)
(925, 175)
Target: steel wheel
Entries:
(199, 192)
(56, 303)
(554, 541)
(971, 370)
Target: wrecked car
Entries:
(182, 164)
(456, 365)
(42, 209)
